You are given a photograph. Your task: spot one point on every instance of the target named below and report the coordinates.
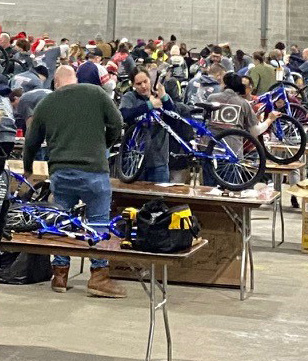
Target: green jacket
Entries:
(263, 76)
(79, 122)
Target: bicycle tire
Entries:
(299, 91)
(40, 193)
(132, 153)
(299, 113)
(20, 221)
(300, 141)
(250, 154)
(21, 227)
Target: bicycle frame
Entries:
(92, 236)
(201, 130)
(20, 179)
(268, 100)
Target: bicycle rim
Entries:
(132, 154)
(293, 141)
(248, 163)
(299, 113)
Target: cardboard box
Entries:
(301, 190)
(40, 172)
(219, 263)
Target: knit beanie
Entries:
(175, 50)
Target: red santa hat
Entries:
(91, 44)
(38, 46)
(49, 42)
(158, 43)
(21, 35)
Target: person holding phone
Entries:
(138, 103)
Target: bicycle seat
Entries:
(210, 107)
(196, 111)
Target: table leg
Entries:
(155, 306)
(252, 277)
(165, 312)
(282, 221)
(274, 223)
(152, 312)
(244, 257)
(81, 264)
(243, 224)
(277, 203)
(303, 169)
(248, 222)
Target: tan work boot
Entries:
(101, 285)
(59, 280)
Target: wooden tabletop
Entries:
(272, 167)
(185, 193)
(65, 246)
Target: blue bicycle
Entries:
(285, 130)
(236, 158)
(38, 192)
(47, 218)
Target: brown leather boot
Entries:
(101, 285)
(59, 281)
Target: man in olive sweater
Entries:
(79, 122)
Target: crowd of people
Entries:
(77, 97)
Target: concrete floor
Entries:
(207, 323)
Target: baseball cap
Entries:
(42, 70)
(96, 52)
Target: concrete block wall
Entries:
(199, 22)
(298, 30)
(74, 19)
(196, 22)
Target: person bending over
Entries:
(79, 121)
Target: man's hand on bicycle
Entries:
(273, 116)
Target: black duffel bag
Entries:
(161, 229)
(18, 268)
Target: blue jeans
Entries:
(42, 154)
(208, 179)
(156, 174)
(71, 185)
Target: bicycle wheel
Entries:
(237, 159)
(19, 220)
(291, 89)
(40, 193)
(132, 153)
(293, 139)
(299, 113)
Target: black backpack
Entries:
(161, 229)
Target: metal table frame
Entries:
(243, 224)
(277, 206)
(278, 171)
(155, 305)
(147, 264)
